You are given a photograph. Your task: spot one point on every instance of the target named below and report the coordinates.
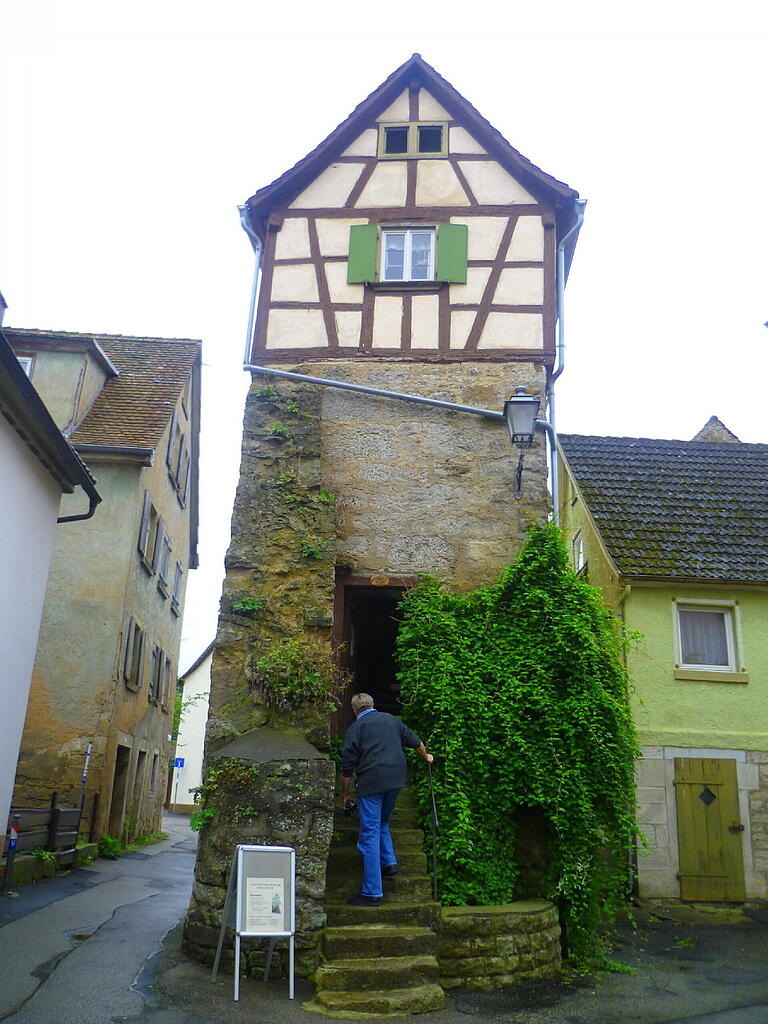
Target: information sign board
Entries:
(261, 902)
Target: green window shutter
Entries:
(363, 241)
(452, 253)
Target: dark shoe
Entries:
(389, 871)
(358, 900)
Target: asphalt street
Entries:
(101, 945)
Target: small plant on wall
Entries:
(298, 671)
(519, 690)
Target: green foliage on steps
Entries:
(519, 690)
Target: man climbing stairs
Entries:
(379, 960)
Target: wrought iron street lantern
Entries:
(520, 412)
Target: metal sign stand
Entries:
(262, 885)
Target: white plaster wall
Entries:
(483, 235)
(364, 145)
(472, 291)
(293, 239)
(29, 506)
(336, 275)
(460, 141)
(386, 186)
(437, 185)
(294, 284)
(296, 328)
(424, 321)
(461, 325)
(492, 184)
(528, 240)
(348, 325)
(657, 818)
(430, 109)
(387, 321)
(512, 330)
(333, 234)
(520, 286)
(397, 111)
(191, 739)
(330, 188)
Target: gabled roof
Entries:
(414, 70)
(694, 510)
(134, 407)
(26, 412)
(198, 661)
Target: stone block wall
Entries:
(283, 804)
(279, 585)
(489, 947)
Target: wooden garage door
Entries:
(709, 829)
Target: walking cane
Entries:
(435, 831)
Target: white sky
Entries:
(131, 132)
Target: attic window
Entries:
(430, 139)
(396, 140)
(411, 139)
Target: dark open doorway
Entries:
(367, 629)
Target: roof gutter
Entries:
(258, 248)
(144, 455)
(93, 501)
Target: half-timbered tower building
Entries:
(413, 251)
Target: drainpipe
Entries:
(580, 205)
(258, 249)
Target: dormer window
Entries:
(412, 139)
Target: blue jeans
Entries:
(374, 840)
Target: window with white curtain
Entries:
(705, 637)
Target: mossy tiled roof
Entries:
(134, 409)
(677, 509)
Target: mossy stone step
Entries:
(415, 999)
(386, 940)
(407, 838)
(398, 889)
(423, 913)
(359, 974)
(342, 858)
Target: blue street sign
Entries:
(12, 844)
(178, 762)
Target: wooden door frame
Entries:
(345, 582)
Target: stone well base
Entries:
(489, 947)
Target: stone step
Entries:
(343, 858)
(401, 888)
(422, 913)
(370, 940)
(358, 974)
(407, 838)
(417, 999)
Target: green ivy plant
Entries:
(246, 606)
(266, 391)
(520, 691)
(314, 552)
(278, 429)
(298, 671)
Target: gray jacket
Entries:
(373, 748)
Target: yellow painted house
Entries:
(673, 533)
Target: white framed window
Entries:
(408, 254)
(706, 636)
(26, 364)
(577, 552)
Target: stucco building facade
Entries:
(37, 467)
(106, 662)
(673, 533)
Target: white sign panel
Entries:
(264, 905)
